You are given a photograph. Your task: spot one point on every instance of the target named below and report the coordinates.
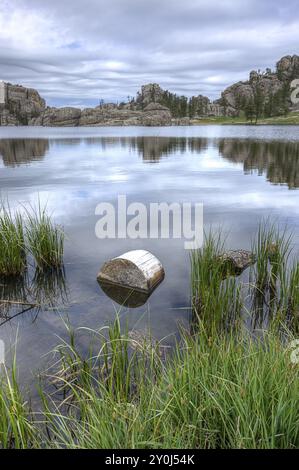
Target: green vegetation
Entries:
(222, 386)
(12, 244)
(271, 293)
(16, 429)
(215, 300)
(45, 240)
(288, 119)
(218, 391)
(34, 233)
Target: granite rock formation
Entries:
(269, 90)
(18, 105)
(263, 94)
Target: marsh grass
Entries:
(221, 391)
(221, 386)
(221, 300)
(216, 298)
(12, 243)
(33, 232)
(17, 429)
(45, 239)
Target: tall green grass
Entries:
(12, 243)
(220, 387)
(216, 298)
(225, 391)
(45, 239)
(33, 232)
(17, 429)
(269, 296)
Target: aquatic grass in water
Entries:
(216, 297)
(221, 391)
(213, 392)
(220, 387)
(45, 239)
(17, 429)
(271, 277)
(12, 244)
(220, 300)
(34, 232)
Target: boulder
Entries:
(154, 114)
(55, 117)
(236, 261)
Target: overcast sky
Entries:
(75, 52)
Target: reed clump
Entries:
(17, 427)
(216, 297)
(31, 233)
(12, 244)
(270, 294)
(45, 239)
(224, 391)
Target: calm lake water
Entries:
(240, 174)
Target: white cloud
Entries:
(78, 51)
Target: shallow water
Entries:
(240, 173)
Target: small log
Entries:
(138, 269)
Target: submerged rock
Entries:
(236, 261)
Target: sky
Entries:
(77, 52)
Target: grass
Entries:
(33, 233)
(216, 301)
(222, 385)
(12, 244)
(16, 428)
(45, 240)
(221, 392)
(289, 119)
(212, 392)
(270, 294)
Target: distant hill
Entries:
(265, 94)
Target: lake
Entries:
(241, 174)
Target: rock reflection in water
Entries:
(279, 160)
(16, 152)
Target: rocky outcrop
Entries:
(268, 91)
(106, 115)
(154, 114)
(264, 94)
(18, 105)
(150, 93)
(288, 68)
(57, 117)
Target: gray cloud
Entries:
(79, 51)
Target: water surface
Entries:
(240, 173)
